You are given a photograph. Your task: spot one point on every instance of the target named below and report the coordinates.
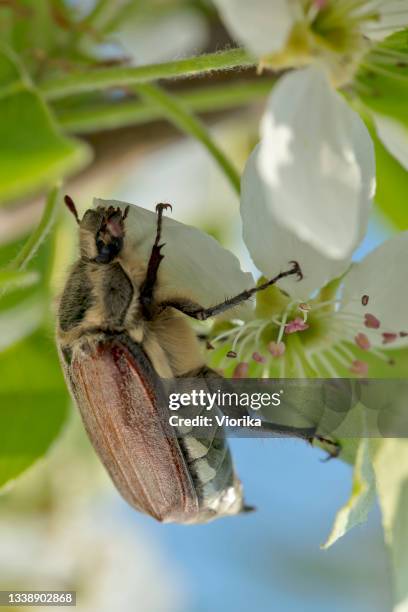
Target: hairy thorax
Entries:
(99, 299)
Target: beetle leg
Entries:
(147, 287)
(331, 446)
(308, 434)
(198, 312)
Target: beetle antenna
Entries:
(69, 202)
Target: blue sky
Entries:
(271, 560)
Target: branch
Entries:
(108, 116)
(119, 76)
(176, 112)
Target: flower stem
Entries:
(119, 76)
(88, 119)
(176, 112)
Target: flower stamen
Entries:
(276, 349)
(282, 327)
(295, 325)
(371, 321)
(241, 370)
(389, 337)
(362, 342)
(358, 367)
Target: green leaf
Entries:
(17, 278)
(362, 497)
(33, 404)
(392, 186)
(31, 28)
(32, 245)
(382, 82)
(382, 85)
(33, 153)
(24, 307)
(391, 471)
(392, 178)
(43, 33)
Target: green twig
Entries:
(120, 76)
(95, 13)
(121, 14)
(85, 26)
(34, 242)
(176, 112)
(87, 119)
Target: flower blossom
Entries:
(314, 147)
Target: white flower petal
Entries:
(317, 160)
(261, 25)
(195, 265)
(392, 16)
(394, 136)
(272, 245)
(383, 276)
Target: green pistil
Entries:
(315, 337)
(271, 302)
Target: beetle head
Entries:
(101, 232)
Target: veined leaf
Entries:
(33, 153)
(33, 404)
(24, 306)
(362, 497)
(382, 82)
(392, 186)
(391, 471)
(382, 85)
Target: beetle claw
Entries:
(297, 270)
(163, 206)
(332, 447)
